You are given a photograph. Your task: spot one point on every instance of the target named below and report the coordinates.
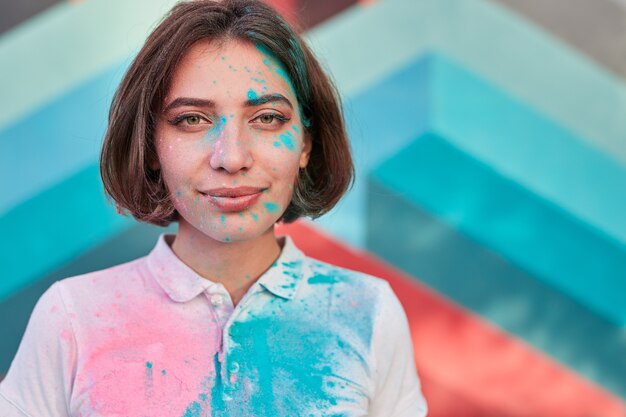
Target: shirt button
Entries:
(234, 367)
(217, 300)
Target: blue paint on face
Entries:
(276, 143)
(287, 139)
(223, 219)
(216, 131)
(271, 207)
(252, 95)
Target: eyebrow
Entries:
(187, 101)
(200, 102)
(257, 101)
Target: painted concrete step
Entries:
(595, 28)
(503, 252)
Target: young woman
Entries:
(226, 124)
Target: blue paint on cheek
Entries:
(271, 207)
(287, 139)
(252, 95)
(276, 144)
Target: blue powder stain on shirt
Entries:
(217, 401)
(252, 94)
(287, 140)
(271, 207)
(277, 367)
(291, 363)
(325, 279)
(193, 410)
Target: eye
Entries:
(190, 120)
(193, 119)
(270, 120)
(267, 118)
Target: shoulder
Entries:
(353, 296)
(106, 284)
(323, 275)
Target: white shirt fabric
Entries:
(153, 338)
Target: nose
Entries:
(231, 151)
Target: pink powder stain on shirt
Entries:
(148, 358)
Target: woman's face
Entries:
(230, 140)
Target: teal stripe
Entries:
(463, 270)
(66, 45)
(524, 146)
(512, 221)
(56, 141)
(55, 227)
(496, 44)
(76, 41)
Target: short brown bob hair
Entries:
(129, 149)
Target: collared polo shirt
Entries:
(153, 338)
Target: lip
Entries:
(233, 199)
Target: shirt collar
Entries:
(182, 284)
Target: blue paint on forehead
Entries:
(252, 95)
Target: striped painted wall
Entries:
(490, 144)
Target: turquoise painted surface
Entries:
(54, 227)
(484, 37)
(500, 46)
(55, 141)
(468, 272)
(67, 45)
(524, 146)
(514, 222)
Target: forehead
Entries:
(227, 68)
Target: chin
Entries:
(249, 232)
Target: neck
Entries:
(236, 265)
